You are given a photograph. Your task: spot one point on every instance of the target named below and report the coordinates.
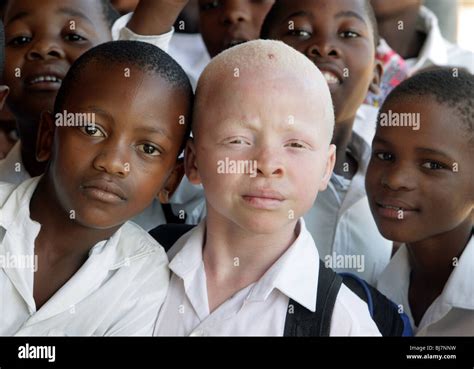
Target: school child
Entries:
(39, 54)
(420, 188)
(412, 30)
(340, 37)
(5, 140)
(264, 108)
(95, 273)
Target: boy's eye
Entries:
(92, 130)
(349, 34)
(210, 5)
(74, 37)
(20, 40)
(384, 156)
(296, 145)
(433, 165)
(238, 141)
(149, 149)
(301, 33)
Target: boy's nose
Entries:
(45, 49)
(269, 164)
(113, 161)
(235, 11)
(398, 178)
(322, 49)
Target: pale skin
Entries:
(247, 221)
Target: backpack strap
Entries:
(302, 322)
(168, 234)
(386, 315)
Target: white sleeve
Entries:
(120, 31)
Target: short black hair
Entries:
(450, 86)
(280, 4)
(2, 50)
(141, 55)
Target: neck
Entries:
(238, 256)
(433, 259)
(60, 235)
(407, 42)
(345, 165)
(28, 148)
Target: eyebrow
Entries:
(154, 130)
(300, 13)
(350, 14)
(434, 152)
(67, 11)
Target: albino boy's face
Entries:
(261, 151)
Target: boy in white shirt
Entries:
(420, 188)
(95, 273)
(73, 27)
(262, 126)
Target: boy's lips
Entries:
(103, 190)
(264, 199)
(44, 81)
(331, 73)
(395, 209)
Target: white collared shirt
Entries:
(452, 312)
(11, 167)
(117, 291)
(259, 309)
(436, 50)
(342, 225)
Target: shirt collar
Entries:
(457, 292)
(295, 273)
(10, 163)
(434, 50)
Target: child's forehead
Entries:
(81, 9)
(322, 8)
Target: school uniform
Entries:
(436, 49)
(11, 167)
(259, 309)
(341, 223)
(452, 312)
(118, 291)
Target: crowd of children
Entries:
(300, 137)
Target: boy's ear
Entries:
(4, 91)
(172, 182)
(331, 161)
(190, 163)
(44, 140)
(374, 86)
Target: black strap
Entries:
(302, 322)
(168, 234)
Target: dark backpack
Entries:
(302, 322)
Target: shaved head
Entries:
(258, 67)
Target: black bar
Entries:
(198, 352)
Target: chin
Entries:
(264, 224)
(397, 233)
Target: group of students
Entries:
(322, 181)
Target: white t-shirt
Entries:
(452, 312)
(259, 309)
(117, 291)
(342, 225)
